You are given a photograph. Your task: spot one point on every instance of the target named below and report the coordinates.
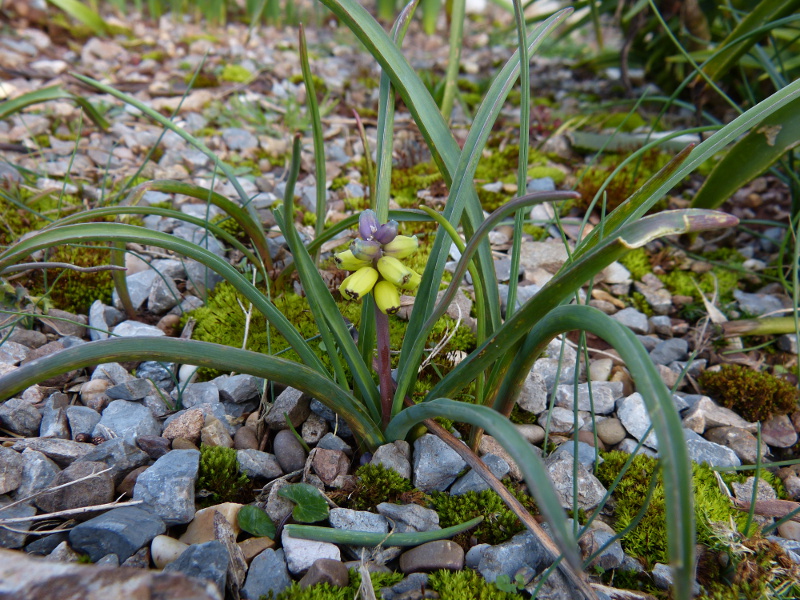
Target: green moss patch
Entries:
(755, 395)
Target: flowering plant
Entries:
(381, 413)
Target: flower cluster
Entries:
(374, 260)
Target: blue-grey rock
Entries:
(586, 452)
(633, 319)
(118, 454)
(236, 138)
(394, 456)
(333, 442)
(20, 416)
(548, 364)
(167, 487)
(610, 557)
(336, 422)
(54, 421)
(507, 558)
(83, 492)
(473, 556)
(199, 393)
(403, 588)
(139, 285)
(37, 473)
(436, 465)
(669, 351)
(160, 374)
(603, 396)
(541, 184)
(361, 520)
(128, 420)
(81, 419)
(113, 372)
(136, 329)
(12, 353)
(560, 468)
(288, 451)
(121, 531)
(473, 482)
(629, 445)
(11, 466)
(163, 296)
(170, 267)
(45, 544)
(648, 341)
(633, 414)
(238, 388)
(15, 539)
(62, 452)
(257, 464)
(788, 342)
(208, 561)
(267, 574)
(409, 517)
(533, 394)
(758, 304)
(132, 390)
(354, 190)
(662, 325)
(703, 451)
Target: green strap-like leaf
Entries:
(55, 92)
(203, 354)
(115, 232)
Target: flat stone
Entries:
(329, 464)
(602, 399)
(302, 554)
(89, 492)
(11, 353)
(633, 319)
(21, 417)
(62, 452)
(633, 414)
(333, 442)
(168, 486)
(256, 464)
(359, 520)
(594, 539)
(37, 473)
(136, 329)
(325, 570)
(139, 285)
(334, 421)
(562, 420)
(507, 558)
(267, 574)
(590, 490)
(161, 375)
(314, 428)
(704, 414)
(409, 517)
(394, 456)
(556, 360)
(207, 561)
(533, 395)
(252, 547)
(779, 432)
(154, 446)
(288, 451)
(489, 445)
(11, 466)
(473, 482)
(586, 452)
(81, 419)
(432, 556)
(549, 255)
(669, 351)
(214, 433)
(118, 454)
(436, 465)
(278, 507)
(703, 451)
(121, 531)
(758, 304)
(186, 425)
(128, 420)
(30, 578)
(195, 394)
(163, 295)
(610, 431)
(741, 441)
(15, 539)
(238, 388)
(533, 434)
(64, 323)
(135, 389)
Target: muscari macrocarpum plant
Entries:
(505, 351)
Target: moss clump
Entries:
(218, 476)
(376, 484)
(637, 261)
(499, 522)
(236, 74)
(648, 540)
(755, 395)
(466, 585)
(325, 591)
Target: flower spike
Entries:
(358, 284)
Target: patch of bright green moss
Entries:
(376, 484)
(236, 74)
(637, 261)
(500, 523)
(554, 173)
(756, 395)
(466, 585)
(156, 55)
(219, 475)
(325, 591)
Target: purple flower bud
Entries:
(386, 232)
(365, 249)
(367, 224)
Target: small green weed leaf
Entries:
(311, 505)
(256, 522)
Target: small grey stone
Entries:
(473, 482)
(20, 416)
(207, 561)
(64, 323)
(11, 353)
(54, 421)
(238, 388)
(291, 402)
(560, 469)
(332, 442)
(632, 318)
(89, 492)
(335, 421)
(128, 420)
(602, 399)
(168, 486)
(533, 395)
(629, 445)
(163, 295)
(11, 467)
(507, 558)
(288, 451)
(360, 520)
(586, 452)
(37, 473)
(778, 431)
(62, 452)
(136, 329)
(704, 413)
(314, 428)
(610, 558)
(239, 139)
(118, 454)
(301, 554)
(256, 464)
(132, 390)
(161, 375)
(541, 184)
(81, 419)
(741, 441)
(662, 325)
(267, 574)
(199, 393)
(113, 372)
(139, 285)
(410, 517)
(701, 450)
(556, 360)
(788, 342)
(473, 556)
(15, 539)
(610, 431)
(432, 556)
(121, 531)
(402, 589)
(44, 545)
(562, 420)
(758, 304)
(436, 465)
(633, 414)
(669, 351)
(394, 456)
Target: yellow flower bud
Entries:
(347, 261)
(355, 286)
(393, 270)
(387, 298)
(413, 281)
(401, 246)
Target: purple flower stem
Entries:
(384, 364)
